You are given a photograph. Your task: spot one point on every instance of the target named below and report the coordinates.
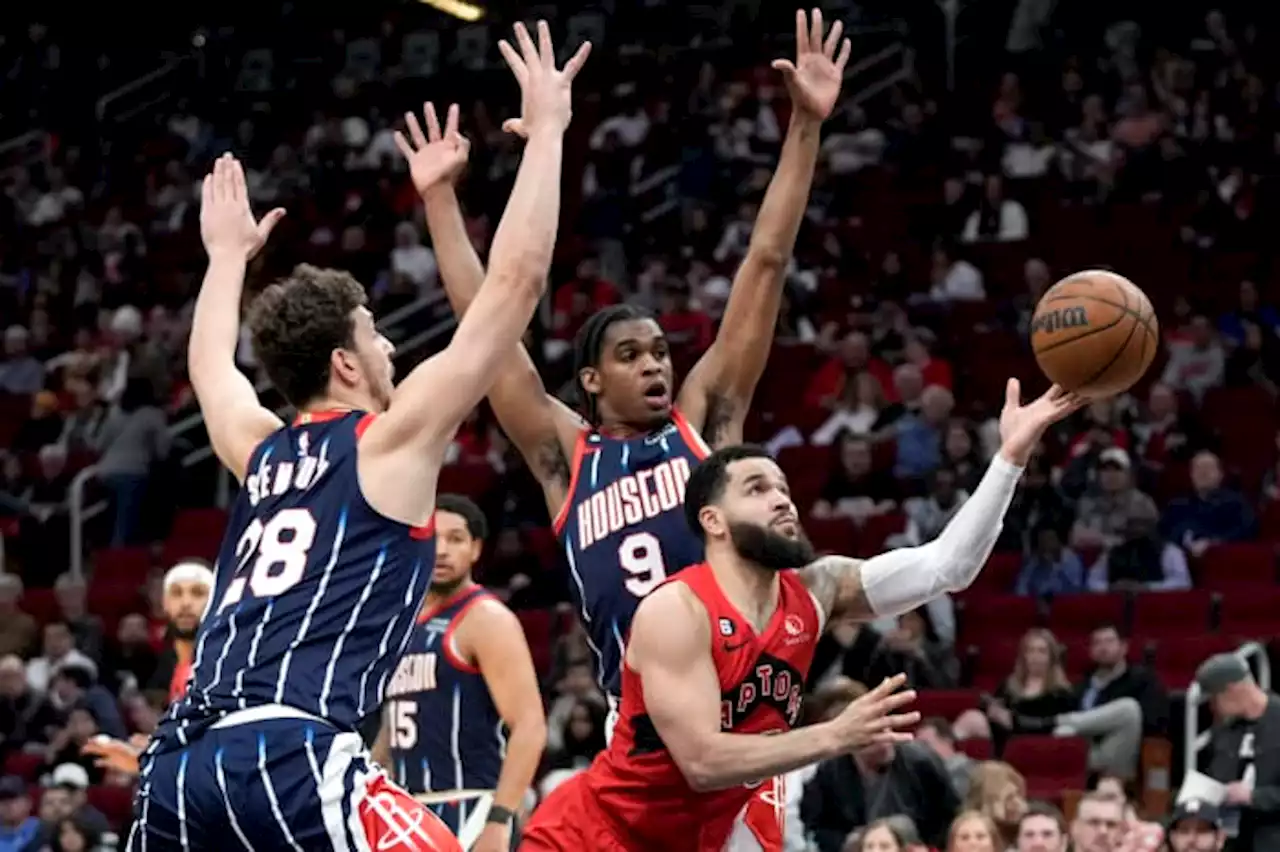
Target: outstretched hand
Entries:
(814, 78)
(546, 102)
(227, 225)
(1022, 426)
(436, 158)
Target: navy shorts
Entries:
(290, 784)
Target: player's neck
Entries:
(338, 400)
(752, 590)
(621, 430)
(444, 597)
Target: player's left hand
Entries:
(113, 754)
(814, 78)
(435, 158)
(1022, 426)
(495, 837)
(227, 225)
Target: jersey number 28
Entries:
(272, 557)
(640, 556)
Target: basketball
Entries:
(1094, 333)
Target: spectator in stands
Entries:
(891, 834)
(1036, 503)
(1030, 699)
(1249, 309)
(65, 796)
(59, 647)
(875, 782)
(1165, 434)
(1196, 826)
(19, 830)
(17, 628)
(1109, 508)
(937, 734)
(927, 515)
(1042, 829)
(1051, 569)
(577, 685)
(683, 323)
(25, 715)
(997, 219)
(973, 831)
(962, 453)
(855, 489)
(1244, 749)
(1113, 681)
(919, 435)
(1142, 561)
(1137, 835)
(857, 411)
(583, 736)
(955, 280)
(74, 835)
(1198, 365)
(998, 792)
(914, 646)
(72, 594)
(75, 686)
(130, 662)
(1213, 513)
(42, 427)
(1255, 362)
(1098, 824)
(412, 259)
(827, 387)
(20, 373)
(184, 597)
(918, 350)
(134, 438)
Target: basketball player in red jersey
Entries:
(718, 656)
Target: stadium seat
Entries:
(947, 703)
(1072, 616)
(1050, 764)
(976, 749)
(23, 764)
(1238, 564)
(1178, 657)
(832, 535)
(876, 530)
(996, 616)
(992, 662)
(469, 480)
(1250, 612)
(537, 624)
(40, 604)
(127, 565)
(115, 803)
(1157, 615)
(999, 574)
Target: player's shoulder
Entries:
(671, 605)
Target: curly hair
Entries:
(296, 324)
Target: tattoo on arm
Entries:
(721, 412)
(551, 465)
(836, 583)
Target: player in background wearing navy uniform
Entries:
(614, 480)
(329, 546)
(465, 676)
(717, 660)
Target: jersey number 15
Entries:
(272, 557)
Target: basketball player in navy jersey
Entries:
(329, 546)
(465, 675)
(614, 479)
(718, 656)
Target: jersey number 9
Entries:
(272, 557)
(640, 556)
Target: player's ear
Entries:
(712, 520)
(477, 547)
(344, 366)
(590, 378)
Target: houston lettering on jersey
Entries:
(417, 672)
(632, 499)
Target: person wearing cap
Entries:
(19, 830)
(1244, 748)
(65, 795)
(1108, 508)
(1196, 826)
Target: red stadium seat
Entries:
(1077, 615)
(993, 663)
(115, 803)
(40, 604)
(1250, 612)
(1050, 764)
(1243, 563)
(832, 535)
(1177, 658)
(977, 749)
(537, 624)
(947, 703)
(876, 530)
(199, 524)
(129, 565)
(1157, 615)
(25, 766)
(999, 574)
(470, 480)
(996, 616)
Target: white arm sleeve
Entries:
(902, 580)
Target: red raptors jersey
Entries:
(637, 784)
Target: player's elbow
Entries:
(523, 277)
(767, 256)
(530, 728)
(698, 766)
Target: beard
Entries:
(180, 633)
(445, 588)
(768, 549)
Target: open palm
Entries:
(435, 158)
(1022, 426)
(814, 78)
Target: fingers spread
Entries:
(833, 39)
(514, 61)
(546, 51)
(846, 48)
(575, 63)
(433, 122)
(415, 130)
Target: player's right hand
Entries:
(227, 225)
(871, 719)
(1022, 426)
(546, 102)
(113, 754)
(435, 159)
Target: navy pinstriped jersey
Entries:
(623, 528)
(316, 593)
(443, 729)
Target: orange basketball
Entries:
(1094, 333)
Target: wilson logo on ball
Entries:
(1059, 320)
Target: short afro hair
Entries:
(296, 324)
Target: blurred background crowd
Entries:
(983, 149)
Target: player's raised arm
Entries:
(236, 421)
(670, 648)
(502, 654)
(543, 428)
(717, 392)
(430, 403)
(901, 580)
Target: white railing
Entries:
(1197, 740)
(80, 513)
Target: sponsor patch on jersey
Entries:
(727, 627)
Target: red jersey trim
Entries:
(422, 533)
(306, 418)
(690, 434)
(575, 468)
(447, 641)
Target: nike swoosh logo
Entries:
(731, 648)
